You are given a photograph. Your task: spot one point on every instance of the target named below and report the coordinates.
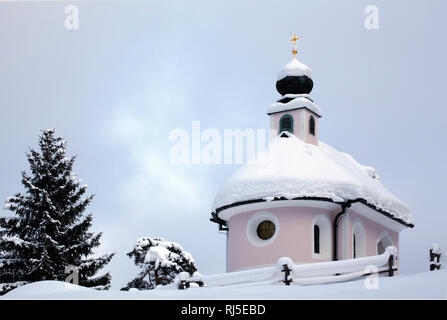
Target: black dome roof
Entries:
(294, 78)
(294, 85)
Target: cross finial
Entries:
(294, 40)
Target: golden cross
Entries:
(294, 40)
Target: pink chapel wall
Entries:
(295, 237)
(300, 124)
(374, 231)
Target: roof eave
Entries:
(215, 215)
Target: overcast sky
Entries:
(136, 70)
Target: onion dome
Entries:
(295, 77)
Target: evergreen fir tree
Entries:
(49, 230)
(160, 262)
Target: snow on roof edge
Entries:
(215, 213)
(297, 103)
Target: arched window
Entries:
(286, 123)
(321, 237)
(316, 239)
(312, 125)
(384, 242)
(358, 240)
(380, 247)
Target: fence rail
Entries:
(302, 274)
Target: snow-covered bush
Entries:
(48, 230)
(160, 262)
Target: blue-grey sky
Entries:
(135, 70)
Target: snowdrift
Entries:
(427, 285)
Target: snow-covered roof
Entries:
(291, 169)
(294, 68)
(301, 101)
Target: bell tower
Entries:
(295, 111)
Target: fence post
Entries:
(391, 266)
(286, 270)
(184, 284)
(432, 259)
(435, 255)
(183, 280)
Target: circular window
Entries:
(262, 229)
(265, 230)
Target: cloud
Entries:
(124, 127)
(172, 185)
(139, 131)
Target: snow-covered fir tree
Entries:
(48, 229)
(160, 262)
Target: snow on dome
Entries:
(292, 169)
(294, 68)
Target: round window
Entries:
(265, 230)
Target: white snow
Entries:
(291, 168)
(47, 287)
(160, 256)
(296, 103)
(294, 68)
(427, 285)
(308, 273)
(159, 252)
(436, 248)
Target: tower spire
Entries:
(294, 40)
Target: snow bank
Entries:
(427, 285)
(48, 287)
(436, 248)
(292, 168)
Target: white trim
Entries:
(265, 205)
(297, 103)
(226, 253)
(324, 223)
(301, 114)
(377, 217)
(346, 234)
(252, 226)
(293, 96)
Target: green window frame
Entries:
(286, 123)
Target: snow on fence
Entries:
(303, 274)
(435, 257)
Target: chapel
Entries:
(302, 198)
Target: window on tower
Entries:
(286, 123)
(312, 125)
